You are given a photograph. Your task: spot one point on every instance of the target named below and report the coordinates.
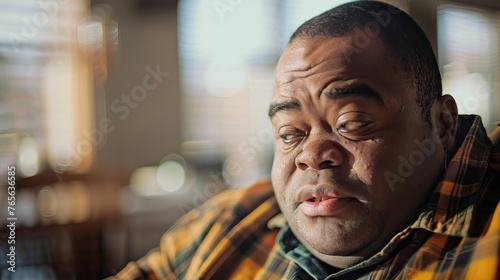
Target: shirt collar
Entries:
(450, 207)
(298, 253)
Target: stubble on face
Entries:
(374, 212)
(346, 233)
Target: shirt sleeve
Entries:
(141, 269)
(178, 245)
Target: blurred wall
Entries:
(145, 134)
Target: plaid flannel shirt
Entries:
(240, 234)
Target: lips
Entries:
(319, 199)
(326, 208)
(323, 200)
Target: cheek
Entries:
(368, 160)
(283, 166)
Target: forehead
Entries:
(300, 57)
(309, 65)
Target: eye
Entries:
(352, 126)
(289, 138)
(356, 125)
(290, 135)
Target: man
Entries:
(375, 174)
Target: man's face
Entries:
(342, 122)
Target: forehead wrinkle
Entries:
(288, 76)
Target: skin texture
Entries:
(342, 144)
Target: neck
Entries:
(336, 261)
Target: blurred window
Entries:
(468, 45)
(45, 84)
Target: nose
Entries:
(319, 154)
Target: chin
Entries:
(339, 249)
(331, 236)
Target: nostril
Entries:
(303, 166)
(326, 164)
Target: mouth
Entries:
(325, 206)
(320, 198)
(324, 200)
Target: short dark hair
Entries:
(409, 44)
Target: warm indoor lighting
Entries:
(28, 161)
(64, 211)
(171, 176)
(91, 34)
(47, 202)
(81, 201)
(62, 134)
(143, 181)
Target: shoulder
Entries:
(487, 199)
(227, 218)
(213, 220)
(234, 204)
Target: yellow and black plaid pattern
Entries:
(456, 236)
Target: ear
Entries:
(447, 120)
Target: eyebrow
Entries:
(280, 106)
(338, 93)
